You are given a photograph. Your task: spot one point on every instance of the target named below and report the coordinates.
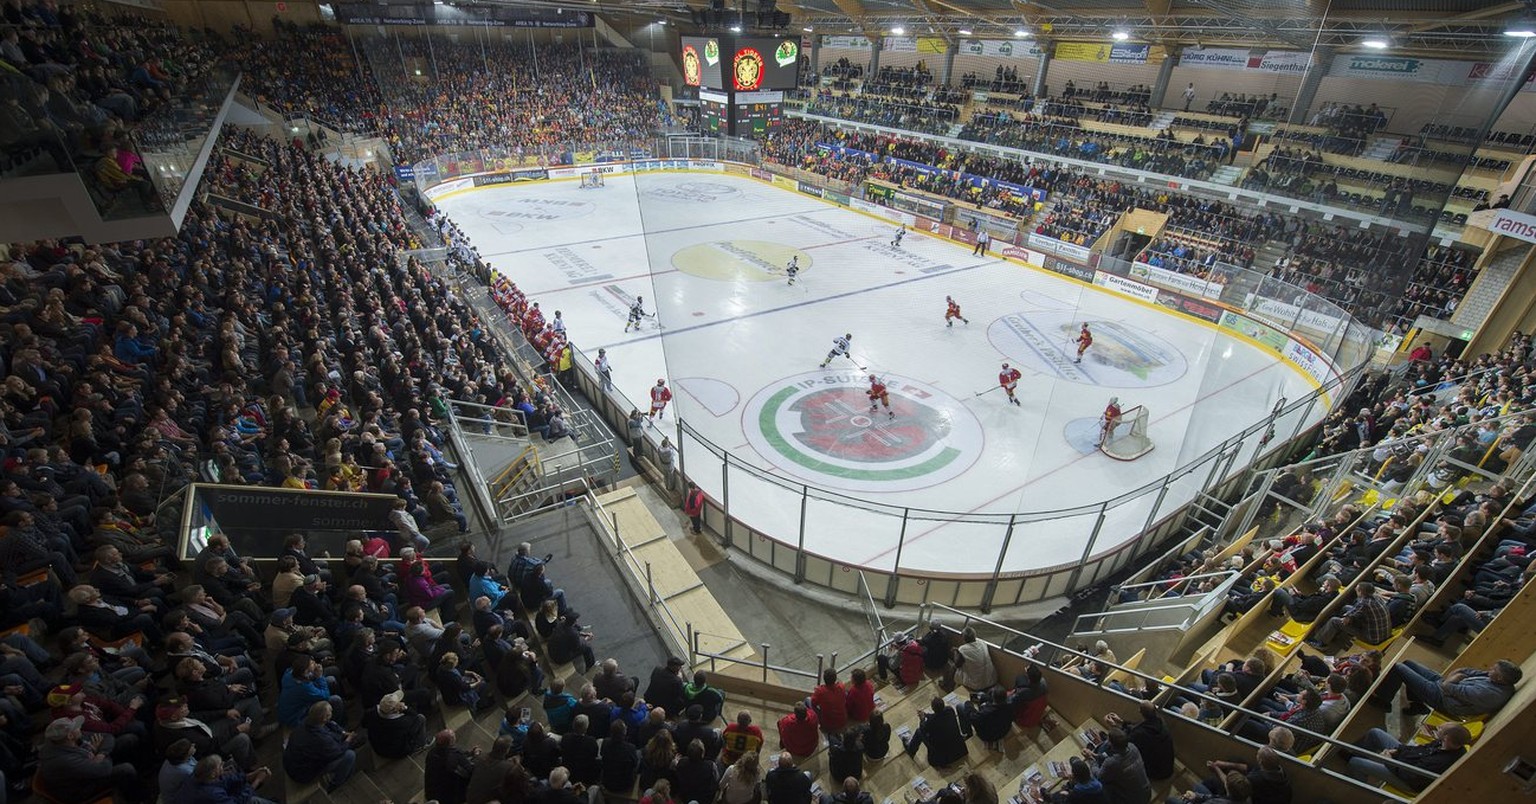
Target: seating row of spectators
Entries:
(77, 86)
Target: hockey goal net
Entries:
(591, 179)
(1129, 439)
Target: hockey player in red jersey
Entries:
(953, 313)
(660, 396)
(1110, 421)
(1084, 340)
(1009, 379)
(879, 396)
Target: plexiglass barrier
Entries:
(1316, 337)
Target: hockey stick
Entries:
(856, 362)
(988, 391)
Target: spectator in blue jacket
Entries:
(320, 749)
(303, 685)
(212, 783)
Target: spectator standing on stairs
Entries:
(666, 455)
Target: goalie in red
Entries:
(660, 396)
(1084, 340)
(1008, 378)
(879, 396)
(953, 313)
(1110, 421)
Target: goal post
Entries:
(1129, 439)
(591, 178)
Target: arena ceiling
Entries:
(1444, 28)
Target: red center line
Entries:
(1034, 480)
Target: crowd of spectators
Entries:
(78, 87)
(1241, 104)
(463, 96)
(298, 352)
(310, 71)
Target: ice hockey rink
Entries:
(740, 348)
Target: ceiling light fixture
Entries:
(1120, 36)
(898, 31)
(1376, 43)
(1021, 33)
(1523, 28)
(808, 29)
(965, 31)
(735, 29)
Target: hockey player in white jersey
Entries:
(839, 347)
(636, 314)
(793, 269)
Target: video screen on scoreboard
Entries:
(757, 119)
(762, 63)
(712, 116)
(701, 62)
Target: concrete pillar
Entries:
(949, 65)
(1164, 72)
(874, 58)
(815, 53)
(1322, 62)
(1041, 70)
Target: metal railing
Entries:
(1044, 651)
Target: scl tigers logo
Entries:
(817, 426)
(748, 69)
(693, 73)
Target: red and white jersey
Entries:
(660, 395)
(953, 311)
(876, 388)
(1009, 378)
(1085, 338)
(1111, 412)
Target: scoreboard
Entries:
(741, 114)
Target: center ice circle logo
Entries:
(819, 428)
(693, 192)
(1123, 355)
(739, 260)
(533, 209)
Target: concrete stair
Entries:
(1227, 174)
(1163, 120)
(1381, 147)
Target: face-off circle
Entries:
(1122, 355)
(693, 192)
(535, 210)
(818, 428)
(739, 260)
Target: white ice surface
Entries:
(730, 332)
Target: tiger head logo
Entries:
(748, 69)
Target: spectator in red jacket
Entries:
(693, 506)
(861, 697)
(911, 671)
(830, 700)
(799, 732)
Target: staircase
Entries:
(1267, 254)
(1163, 120)
(1227, 174)
(1381, 147)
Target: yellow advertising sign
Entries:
(1083, 51)
(931, 44)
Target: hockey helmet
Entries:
(872, 378)
(1005, 365)
(849, 336)
(661, 382)
(1114, 400)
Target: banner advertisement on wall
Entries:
(1257, 330)
(1126, 286)
(1081, 273)
(1000, 48)
(1427, 71)
(1216, 58)
(846, 42)
(913, 44)
(1175, 300)
(1103, 52)
(1285, 62)
(444, 14)
(1071, 251)
(1174, 280)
